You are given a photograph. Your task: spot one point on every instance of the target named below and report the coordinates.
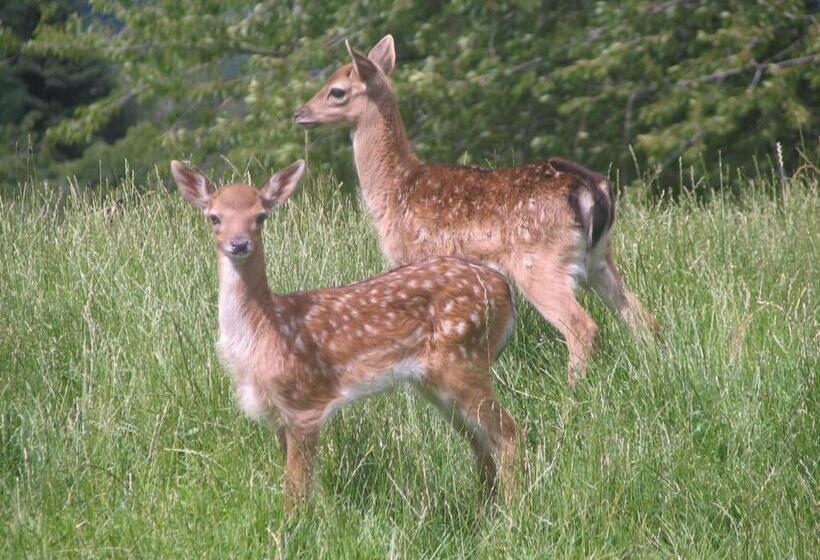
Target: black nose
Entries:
(239, 245)
(300, 112)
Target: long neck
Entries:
(243, 292)
(383, 154)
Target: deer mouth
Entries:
(237, 252)
(302, 118)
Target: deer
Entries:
(547, 225)
(295, 359)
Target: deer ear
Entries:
(279, 187)
(192, 186)
(384, 54)
(365, 68)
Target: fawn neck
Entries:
(382, 152)
(243, 294)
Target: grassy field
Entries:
(119, 436)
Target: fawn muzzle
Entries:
(239, 246)
(303, 118)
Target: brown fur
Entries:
(546, 224)
(295, 359)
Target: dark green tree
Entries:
(38, 92)
(685, 79)
(499, 81)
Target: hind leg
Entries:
(604, 280)
(467, 400)
(282, 438)
(549, 286)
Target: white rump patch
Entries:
(585, 203)
(577, 265)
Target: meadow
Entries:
(119, 436)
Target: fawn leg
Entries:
(558, 305)
(605, 281)
(282, 439)
(483, 455)
(467, 399)
(301, 453)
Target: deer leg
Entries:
(469, 402)
(301, 452)
(605, 281)
(282, 438)
(553, 296)
(502, 433)
(482, 453)
(493, 437)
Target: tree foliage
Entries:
(38, 92)
(488, 81)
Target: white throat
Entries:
(235, 333)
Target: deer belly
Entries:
(366, 385)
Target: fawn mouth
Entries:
(237, 253)
(307, 124)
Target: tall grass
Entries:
(119, 436)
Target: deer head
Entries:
(352, 89)
(237, 212)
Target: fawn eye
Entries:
(260, 219)
(337, 93)
(214, 219)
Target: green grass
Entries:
(119, 436)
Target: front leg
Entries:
(282, 438)
(301, 448)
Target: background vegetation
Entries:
(89, 84)
(119, 436)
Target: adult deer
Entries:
(295, 359)
(546, 224)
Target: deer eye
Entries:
(337, 93)
(260, 219)
(214, 219)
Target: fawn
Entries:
(295, 359)
(547, 225)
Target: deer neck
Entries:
(244, 301)
(383, 155)
(243, 284)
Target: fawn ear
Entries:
(279, 187)
(192, 186)
(365, 68)
(384, 54)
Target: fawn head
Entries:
(352, 88)
(237, 212)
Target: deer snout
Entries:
(302, 117)
(240, 246)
